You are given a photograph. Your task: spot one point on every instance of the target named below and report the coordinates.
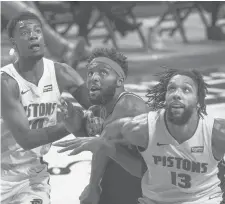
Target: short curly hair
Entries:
(157, 94)
(20, 17)
(112, 54)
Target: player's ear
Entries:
(120, 82)
(12, 40)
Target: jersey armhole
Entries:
(54, 79)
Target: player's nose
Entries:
(177, 94)
(33, 36)
(95, 77)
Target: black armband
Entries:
(81, 95)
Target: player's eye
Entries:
(38, 31)
(187, 90)
(171, 88)
(24, 33)
(103, 73)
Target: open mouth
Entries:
(34, 47)
(95, 89)
(177, 106)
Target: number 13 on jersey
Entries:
(181, 180)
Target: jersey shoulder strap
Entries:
(125, 93)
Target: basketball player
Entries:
(30, 92)
(179, 142)
(58, 46)
(107, 71)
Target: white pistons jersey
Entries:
(180, 173)
(40, 104)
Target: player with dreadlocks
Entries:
(157, 94)
(179, 142)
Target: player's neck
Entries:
(110, 105)
(30, 70)
(181, 133)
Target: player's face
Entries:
(28, 39)
(101, 82)
(181, 99)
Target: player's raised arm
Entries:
(15, 117)
(218, 138)
(69, 80)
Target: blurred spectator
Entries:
(85, 11)
(214, 32)
(58, 46)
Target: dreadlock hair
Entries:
(157, 94)
(112, 54)
(20, 17)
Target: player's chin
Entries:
(95, 99)
(180, 119)
(36, 56)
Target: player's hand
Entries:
(81, 144)
(71, 116)
(90, 195)
(94, 120)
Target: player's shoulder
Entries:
(131, 103)
(6, 67)
(219, 125)
(63, 71)
(218, 138)
(9, 85)
(62, 67)
(129, 96)
(7, 80)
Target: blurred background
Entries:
(153, 35)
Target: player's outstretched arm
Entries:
(69, 80)
(125, 131)
(133, 130)
(218, 138)
(15, 117)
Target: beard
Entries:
(104, 96)
(180, 118)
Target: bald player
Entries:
(109, 182)
(180, 143)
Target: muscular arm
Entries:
(128, 159)
(130, 130)
(69, 80)
(218, 138)
(15, 117)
